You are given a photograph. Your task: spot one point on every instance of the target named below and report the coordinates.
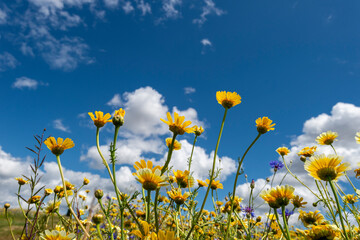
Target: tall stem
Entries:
(101, 155)
(211, 176)
(66, 197)
(285, 222)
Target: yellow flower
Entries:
(86, 181)
(215, 184)
(264, 125)
(168, 235)
(219, 203)
(183, 178)
(326, 168)
(34, 199)
(350, 198)
(297, 201)
(201, 183)
(283, 151)
(147, 234)
(279, 196)
(177, 144)
(326, 138)
(328, 232)
(150, 180)
(357, 137)
(48, 191)
(21, 181)
(69, 186)
(52, 207)
(56, 235)
(177, 196)
(307, 151)
(100, 120)
(58, 147)
(198, 130)
(118, 119)
(142, 164)
(311, 218)
(236, 204)
(357, 172)
(228, 99)
(178, 126)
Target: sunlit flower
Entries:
(328, 232)
(177, 144)
(142, 164)
(183, 178)
(357, 137)
(326, 168)
(166, 235)
(357, 173)
(236, 204)
(177, 196)
(69, 185)
(198, 130)
(52, 206)
(283, 151)
(215, 184)
(57, 235)
(58, 147)
(297, 201)
(48, 191)
(219, 203)
(99, 119)
(21, 181)
(276, 165)
(34, 199)
(326, 138)
(228, 99)
(307, 151)
(147, 234)
(279, 196)
(178, 126)
(150, 180)
(350, 198)
(201, 183)
(264, 125)
(86, 181)
(311, 218)
(118, 119)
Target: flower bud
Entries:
(86, 181)
(118, 120)
(6, 205)
(303, 158)
(99, 193)
(98, 218)
(252, 184)
(268, 179)
(314, 204)
(258, 219)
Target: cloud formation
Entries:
(25, 82)
(59, 125)
(7, 61)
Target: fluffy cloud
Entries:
(59, 125)
(189, 90)
(115, 101)
(207, 9)
(3, 16)
(144, 7)
(169, 7)
(206, 42)
(7, 61)
(25, 82)
(128, 7)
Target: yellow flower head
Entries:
(168, 235)
(86, 181)
(150, 180)
(34, 199)
(236, 204)
(279, 196)
(307, 151)
(228, 99)
(48, 191)
(326, 168)
(264, 125)
(118, 119)
(177, 196)
(326, 138)
(350, 198)
(57, 235)
(198, 130)
(147, 234)
(99, 119)
(215, 184)
(178, 126)
(142, 164)
(297, 201)
(311, 218)
(52, 206)
(283, 151)
(201, 183)
(183, 179)
(177, 144)
(357, 137)
(21, 181)
(58, 147)
(328, 232)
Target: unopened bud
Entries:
(86, 181)
(246, 176)
(252, 184)
(258, 219)
(118, 120)
(314, 204)
(6, 205)
(303, 158)
(267, 179)
(97, 218)
(99, 193)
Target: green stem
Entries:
(66, 197)
(339, 208)
(235, 183)
(278, 221)
(211, 177)
(8, 220)
(102, 156)
(285, 222)
(110, 229)
(98, 231)
(148, 206)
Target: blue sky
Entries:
(289, 60)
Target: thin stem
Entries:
(98, 231)
(285, 221)
(110, 228)
(211, 176)
(102, 156)
(339, 208)
(278, 221)
(8, 220)
(67, 200)
(148, 206)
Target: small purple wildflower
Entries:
(249, 211)
(276, 165)
(288, 213)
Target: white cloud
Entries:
(7, 61)
(59, 125)
(26, 50)
(111, 3)
(207, 9)
(128, 7)
(144, 7)
(206, 42)
(3, 16)
(115, 101)
(25, 82)
(189, 90)
(169, 7)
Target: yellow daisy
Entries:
(99, 119)
(236, 204)
(21, 181)
(311, 218)
(183, 178)
(118, 119)
(177, 144)
(57, 235)
(201, 183)
(297, 201)
(177, 196)
(279, 196)
(178, 126)
(147, 234)
(326, 168)
(142, 164)
(264, 125)
(328, 232)
(327, 138)
(34, 199)
(215, 184)
(283, 151)
(168, 235)
(357, 137)
(307, 151)
(52, 206)
(228, 99)
(150, 180)
(350, 198)
(198, 130)
(58, 147)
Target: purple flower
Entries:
(249, 211)
(276, 165)
(288, 213)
